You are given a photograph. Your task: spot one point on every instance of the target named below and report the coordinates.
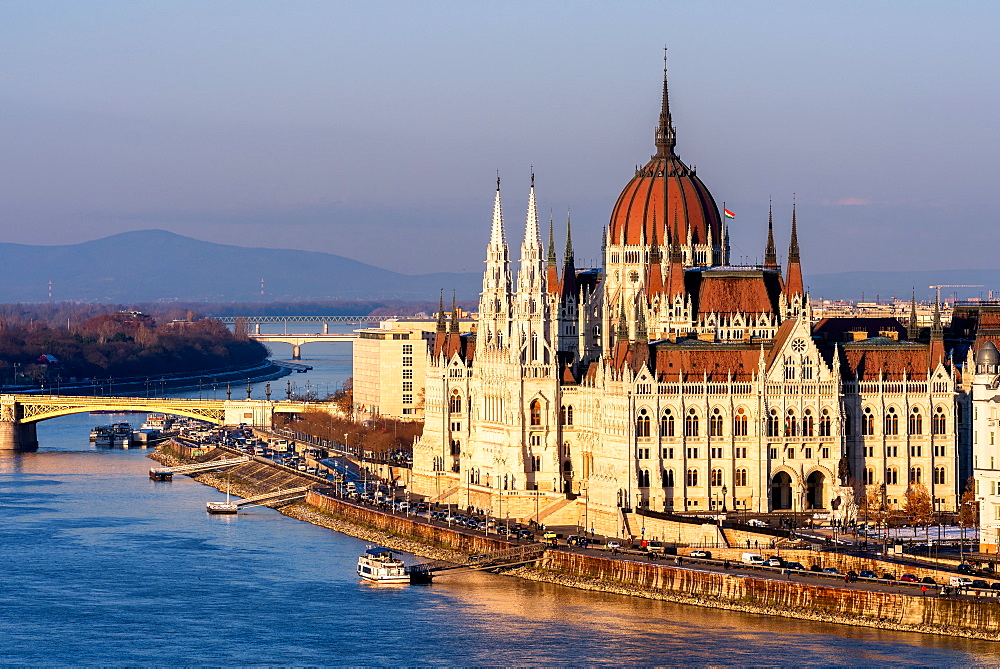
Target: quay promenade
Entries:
(707, 583)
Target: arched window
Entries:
(916, 423)
(939, 423)
(568, 467)
(455, 403)
(691, 423)
(868, 422)
(642, 424)
(824, 423)
(892, 422)
(569, 415)
(891, 476)
(789, 368)
(643, 478)
(668, 478)
(939, 475)
(741, 477)
(807, 369)
(716, 478)
(869, 476)
(740, 423)
(807, 423)
(692, 478)
(536, 412)
(536, 463)
(456, 447)
(715, 423)
(791, 425)
(916, 476)
(772, 423)
(667, 424)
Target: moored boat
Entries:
(221, 507)
(380, 566)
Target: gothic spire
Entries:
(793, 282)
(454, 315)
(770, 254)
(568, 255)
(441, 325)
(569, 286)
(793, 244)
(552, 243)
(912, 331)
(497, 236)
(665, 134)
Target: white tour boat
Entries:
(378, 565)
(226, 507)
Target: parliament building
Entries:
(672, 381)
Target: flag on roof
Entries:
(728, 213)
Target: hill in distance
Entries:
(156, 265)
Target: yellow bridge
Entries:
(20, 413)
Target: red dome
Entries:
(668, 190)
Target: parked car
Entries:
(614, 545)
(995, 586)
(774, 561)
(795, 565)
(928, 580)
(960, 582)
(979, 583)
(815, 568)
(831, 570)
(909, 578)
(756, 522)
(889, 576)
(867, 573)
(701, 554)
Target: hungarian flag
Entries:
(728, 213)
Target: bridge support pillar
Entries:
(16, 436)
(326, 328)
(256, 328)
(296, 352)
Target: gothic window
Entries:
(643, 478)
(716, 478)
(772, 423)
(892, 422)
(807, 423)
(536, 412)
(869, 476)
(536, 463)
(569, 415)
(824, 423)
(740, 423)
(915, 475)
(667, 424)
(791, 425)
(668, 478)
(789, 368)
(807, 369)
(456, 446)
(891, 476)
(916, 425)
(939, 475)
(939, 422)
(692, 478)
(868, 422)
(741, 477)
(642, 424)
(691, 424)
(715, 423)
(455, 403)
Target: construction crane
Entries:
(952, 285)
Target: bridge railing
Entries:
(305, 319)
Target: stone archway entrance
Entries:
(781, 491)
(815, 485)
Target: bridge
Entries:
(274, 497)
(297, 340)
(19, 414)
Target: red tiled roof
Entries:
(725, 293)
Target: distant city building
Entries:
(390, 367)
(670, 380)
(985, 417)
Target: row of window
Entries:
(691, 478)
(915, 422)
(916, 475)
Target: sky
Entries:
(375, 130)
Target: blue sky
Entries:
(374, 130)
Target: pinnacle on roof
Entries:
(793, 284)
(441, 325)
(454, 315)
(770, 254)
(568, 255)
(793, 245)
(552, 243)
(655, 256)
(497, 236)
(912, 331)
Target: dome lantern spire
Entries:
(666, 138)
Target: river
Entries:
(102, 566)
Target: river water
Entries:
(102, 566)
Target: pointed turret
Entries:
(770, 254)
(551, 271)
(793, 284)
(621, 332)
(912, 329)
(454, 316)
(568, 285)
(937, 337)
(495, 306)
(442, 328)
(654, 271)
(676, 278)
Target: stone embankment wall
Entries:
(935, 615)
(792, 599)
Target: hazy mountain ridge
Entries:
(156, 265)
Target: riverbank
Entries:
(730, 591)
(267, 370)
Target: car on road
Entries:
(756, 522)
(995, 585)
(831, 570)
(889, 576)
(795, 565)
(576, 540)
(909, 578)
(867, 573)
(928, 580)
(701, 554)
(979, 583)
(774, 561)
(614, 545)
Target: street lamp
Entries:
(724, 491)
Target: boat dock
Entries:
(167, 473)
(509, 557)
